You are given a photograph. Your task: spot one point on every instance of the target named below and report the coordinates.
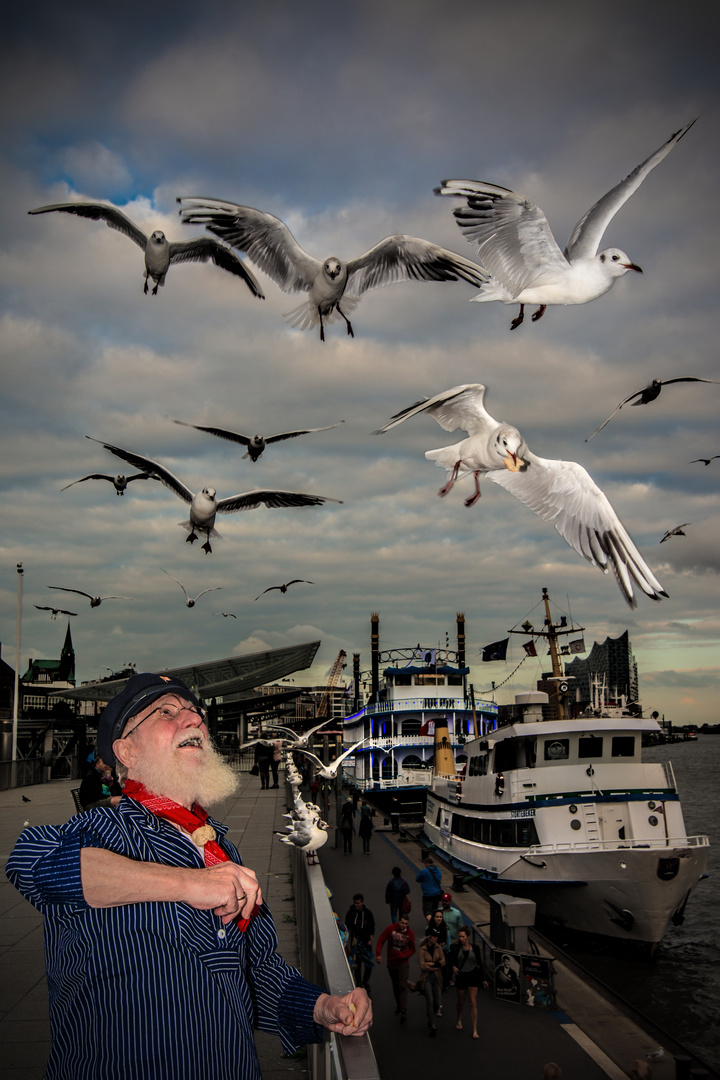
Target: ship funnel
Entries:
(444, 760)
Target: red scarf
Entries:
(192, 821)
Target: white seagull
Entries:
(119, 481)
(558, 491)
(95, 601)
(519, 254)
(330, 771)
(190, 602)
(297, 741)
(203, 505)
(255, 443)
(159, 253)
(308, 837)
(271, 246)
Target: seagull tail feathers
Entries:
(305, 316)
(189, 527)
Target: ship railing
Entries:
(389, 742)
(452, 704)
(415, 778)
(619, 845)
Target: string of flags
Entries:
(498, 649)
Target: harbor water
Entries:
(679, 989)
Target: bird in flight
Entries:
(191, 601)
(647, 394)
(330, 771)
(270, 245)
(225, 614)
(558, 491)
(284, 588)
(204, 506)
(55, 611)
(298, 741)
(119, 481)
(705, 460)
(520, 257)
(95, 601)
(255, 443)
(159, 253)
(677, 531)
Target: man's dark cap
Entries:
(139, 692)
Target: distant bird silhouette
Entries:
(705, 460)
(330, 771)
(225, 614)
(203, 505)
(677, 531)
(255, 443)
(119, 481)
(25, 798)
(95, 601)
(271, 246)
(521, 261)
(159, 253)
(648, 394)
(284, 588)
(55, 611)
(190, 602)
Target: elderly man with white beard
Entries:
(160, 952)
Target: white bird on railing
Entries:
(308, 837)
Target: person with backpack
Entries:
(431, 884)
(396, 892)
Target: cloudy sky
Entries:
(341, 118)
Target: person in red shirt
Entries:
(400, 947)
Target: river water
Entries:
(680, 988)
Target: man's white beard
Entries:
(207, 784)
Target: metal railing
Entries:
(323, 961)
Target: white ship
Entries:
(567, 813)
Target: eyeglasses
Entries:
(168, 711)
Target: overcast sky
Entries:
(341, 118)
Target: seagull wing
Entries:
(91, 476)
(460, 407)
(347, 753)
(216, 588)
(117, 597)
(157, 472)
(113, 218)
(299, 581)
(78, 591)
(269, 589)
(586, 236)
(675, 531)
(176, 580)
(249, 500)
(308, 753)
(140, 476)
(637, 394)
(563, 493)
(513, 239)
(265, 239)
(222, 433)
(303, 431)
(203, 248)
(407, 258)
(688, 378)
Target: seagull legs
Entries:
(191, 537)
(453, 477)
(518, 319)
(539, 313)
(474, 498)
(349, 327)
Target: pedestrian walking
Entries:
(432, 962)
(400, 947)
(468, 975)
(430, 879)
(453, 922)
(275, 761)
(365, 828)
(396, 894)
(347, 826)
(360, 923)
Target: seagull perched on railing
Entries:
(520, 258)
(308, 837)
(329, 771)
(271, 246)
(159, 253)
(558, 491)
(203, 505)
(256, 443)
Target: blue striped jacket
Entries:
(152, 991)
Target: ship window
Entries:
(623, 746)
(389, 768)
(403, 680)
(504, 755)
(526, 833)
(590, 746)
(454, 680)
(557, 749)
(506, 833)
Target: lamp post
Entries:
(13, 767)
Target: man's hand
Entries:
(349, 1014)
(230, 890)
(378, 958)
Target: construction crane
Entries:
(335, 672)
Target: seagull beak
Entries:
(513, 463)
(632, 266)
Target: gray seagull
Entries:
(677, 531)
(268, 242)
(225, 614)
(521, 261)
(255, 443)
(159, 252)
(284, 588)
(203, 505)
(558, 491)
(119, 481)
(95, 601)
(705, 460)
(55, 611)
(647, 394)
(191, 601)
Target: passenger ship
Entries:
(567, 813)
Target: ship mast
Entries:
(552, 632)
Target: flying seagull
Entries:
(296, 741)
(255, 443)
(558, 491)
(284, 588)
(519, 254)
(95, 601)
(705, 460)
(648, 394)
(330, 771)
(189, 602)
(225, 614)
(55, 611)
(203, 505)
(271, 246)
(677, 531)
(159, 253)
(119, 481)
